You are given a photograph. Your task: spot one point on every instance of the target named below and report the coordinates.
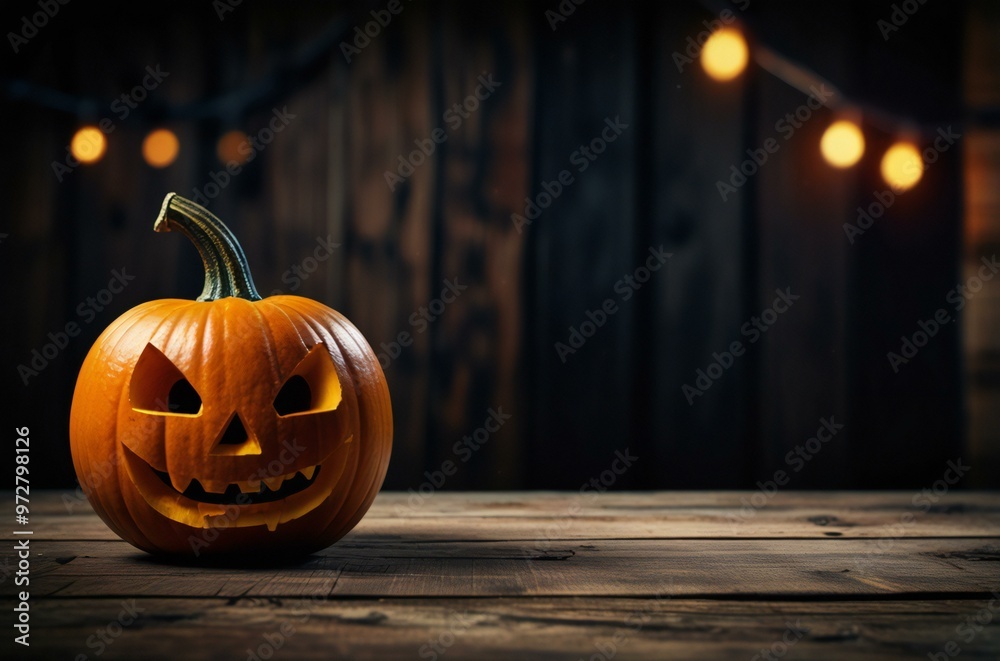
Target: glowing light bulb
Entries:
(725, 54)
(88, 144)
(842, 144)
(902, 166)
(160, 148)
(230, 147)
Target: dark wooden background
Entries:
(494, 346)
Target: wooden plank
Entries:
(696, 306)
(484, 50)
(661, 515)
(800, 205)
(920, 406)
(664, 523)
(531, 503)
(981, 174)
(392, 229)
(410, 568)
(580, 244)
(513, 628)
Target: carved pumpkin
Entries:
(231, 423)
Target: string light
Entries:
(842, 144)
(160, 148)
(88, 144)
(725, 54)
(230, 147)
(901, 165)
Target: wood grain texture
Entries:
(653, 515)
(512, 575)
(572, 628)
(695, 306)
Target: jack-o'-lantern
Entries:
(231, 423)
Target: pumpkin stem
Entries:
(226, 270)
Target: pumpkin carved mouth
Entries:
(269, 501)
(251, 492)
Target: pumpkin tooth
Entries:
(274, 483)
(214, 486)
(272, 520)
(308, 472)
(179, 486)
(250, 486)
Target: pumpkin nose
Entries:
(235, 440)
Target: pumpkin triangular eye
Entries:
(294, 397)
(158, 387)
(312, 387)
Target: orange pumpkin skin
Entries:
(321, 464)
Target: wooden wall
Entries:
(495, 347)
(982, 240)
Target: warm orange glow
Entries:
(160, 148)
(902, 166)
(843, 144)
(88, 144)
(725, 54)
(229, 147)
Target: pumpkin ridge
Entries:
(120, 468)
(122, 324)
(378, 459)
(202, 324)
(270, 342)
(350, 472)
(383, 413)
(123, 477)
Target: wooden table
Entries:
(546, 575)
